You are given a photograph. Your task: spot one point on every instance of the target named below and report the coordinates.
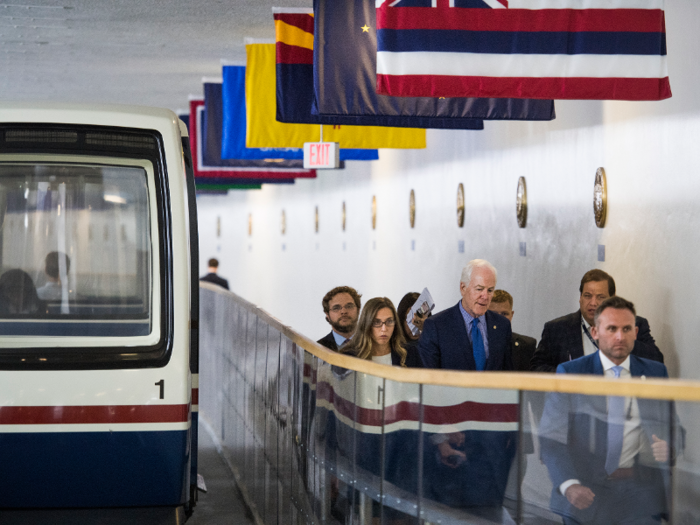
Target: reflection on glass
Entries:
(322, 444)
(75, 246)
(470, 441)
(608, 457)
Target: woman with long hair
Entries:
(378, 336)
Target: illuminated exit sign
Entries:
(321, 155)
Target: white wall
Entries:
(649, 151)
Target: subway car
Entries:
(98, 315)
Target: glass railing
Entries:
(319, 437)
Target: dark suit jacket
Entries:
(412, 357)
(522, 348)
(445, 343)
(213, 278)
(329, 342)
(573, 441)
(561, 342)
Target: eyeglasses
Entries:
(377, 323)
(349, 307)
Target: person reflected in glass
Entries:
(378, 338)
(56, 268)
(18, 294)
(609, 457)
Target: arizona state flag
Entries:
(347, 82)
(263, 130)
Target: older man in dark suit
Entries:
(471, 467)
(468, 336)
(569, 337)
(608, 458)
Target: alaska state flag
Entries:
(345, 80)
(560, 49)
(264, 131)
(296, 72)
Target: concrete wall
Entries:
(648, 149)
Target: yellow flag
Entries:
(263, 130)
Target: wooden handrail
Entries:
(668, 389)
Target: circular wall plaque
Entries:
(412, 208)
(343, 216)
(460, 205)
(521, 203)
(374, 212)
(600, 198)
(250, 224)
(316, 219)
(284, 223)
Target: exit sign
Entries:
(321, 155)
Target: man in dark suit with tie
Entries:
(608, 458)
(569, 337)
(468, 336)
(469, 468)
(342, 308)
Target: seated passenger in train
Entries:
(56, 268)
(18, 294)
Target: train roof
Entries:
(88, 114)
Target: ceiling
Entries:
(145, 52)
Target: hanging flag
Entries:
(294, 29)
(265, 132)
(236, 175)
(234, 126)
(345, 81)
(212, 125)
(560, 49)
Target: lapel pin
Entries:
(494, 327)
(517, 343)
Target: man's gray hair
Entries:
(476, 263)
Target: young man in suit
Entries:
(342, 308)
(569, 337)
(468, 336)
(608, 458)
(522, 346)
(212, 277)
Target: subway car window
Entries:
(76, 251)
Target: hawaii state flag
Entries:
(558, 49)
(345, 79)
